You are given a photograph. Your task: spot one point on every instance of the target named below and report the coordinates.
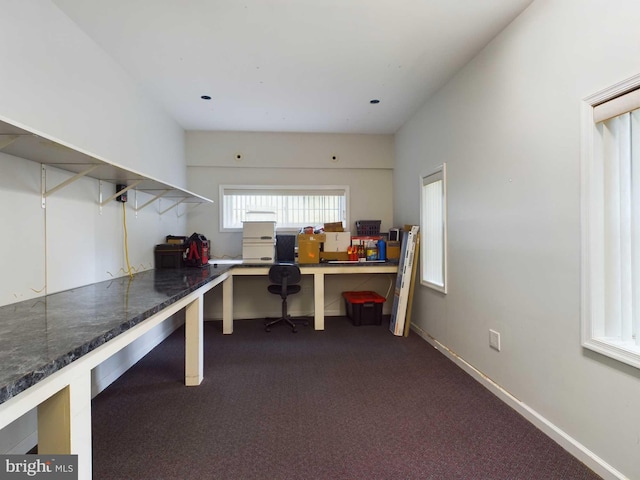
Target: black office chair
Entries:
(285, 280)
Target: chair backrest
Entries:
(286, 273)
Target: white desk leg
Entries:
(318, 300)
(64, 423)
(193, 363)
(227, 305)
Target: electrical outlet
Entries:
(494, 339)
(123, 196)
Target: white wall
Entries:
(58, 83)
(72, 242)
(508, 126)
(364, 163)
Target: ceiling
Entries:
(292, 65)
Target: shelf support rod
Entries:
(192, 207)
(126, 189)
(69, 181)
(160, 195)
(5, 142)
(173, 206)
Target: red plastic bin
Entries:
(364, 308)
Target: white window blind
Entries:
(292, 207)
(434, 232)
(611, 230)
(617, 106)
(621, 227)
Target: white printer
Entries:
(258, 242)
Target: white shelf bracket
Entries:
(126, 189)
(69, 181)
(8, 140)
(173, 206)
(160, 195)
(100, 195)
(43, 185)
(187, 210)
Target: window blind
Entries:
(617, 106)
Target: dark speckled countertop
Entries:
(42, 335)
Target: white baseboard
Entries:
(570, 444)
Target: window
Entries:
(292, 207)
(433, 216)
(611, 223)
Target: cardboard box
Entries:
(393, 250)
(337, 241)
(308, 251)
(312, 237)
(333, 227)
(327, 256)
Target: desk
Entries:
(319, 271)
(50, 344)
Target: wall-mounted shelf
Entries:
(30, 146)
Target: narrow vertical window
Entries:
(611, 223)
(433, 225)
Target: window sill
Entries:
(625, 352)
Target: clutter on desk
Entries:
(285, 248)
(258, 241)
(309, 246)
(336, 246)
(169, 255)
(366, 228)
(330, 243)
(394, 234)
(333, 227)
(179, 252)
(393, 250)
(197, 252)
(175, 239)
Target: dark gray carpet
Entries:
(346, 403)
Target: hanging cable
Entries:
(126, 240)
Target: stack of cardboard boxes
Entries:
(334, 244)
(309, 247)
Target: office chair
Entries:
(285, 280)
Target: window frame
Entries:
(438, 174)
(592, 318)
(283, 188)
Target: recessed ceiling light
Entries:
(374, 101)
(205, 97)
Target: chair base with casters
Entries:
(285, 279)
(285, 318)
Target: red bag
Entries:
(197, 254)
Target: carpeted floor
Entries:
(345, 403)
